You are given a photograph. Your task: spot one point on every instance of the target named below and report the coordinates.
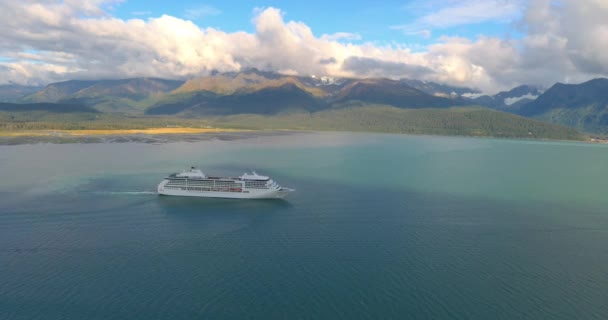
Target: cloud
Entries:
(425, 33)
(460, 12)
(331, 60)
(49, 40)
(370, 67)
(108, 47)
(201, 12)
(473, 95)
(31, 73)
(510, 101)
(341, 36)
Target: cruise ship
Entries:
(194, 183)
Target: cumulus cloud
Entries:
(52, 40)
(562, 41)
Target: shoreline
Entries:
(115, 132)
(190, 134)
(147, 136)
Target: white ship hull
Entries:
(271, 193)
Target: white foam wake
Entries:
(133, 193)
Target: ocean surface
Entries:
(381, 227)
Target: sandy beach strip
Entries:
(94, 132)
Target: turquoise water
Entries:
(381, 227)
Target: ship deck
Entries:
(175, 176)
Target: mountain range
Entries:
(14, 92)
(582, 106)
(124, 96)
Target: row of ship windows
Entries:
(209, 181)
(184, 181)
(206, 189)
(253, 185)
(203, 182)
(179, 185)
(211, 184)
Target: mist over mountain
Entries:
(511, 100)
(441, 90)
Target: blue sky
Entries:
(376, 22)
